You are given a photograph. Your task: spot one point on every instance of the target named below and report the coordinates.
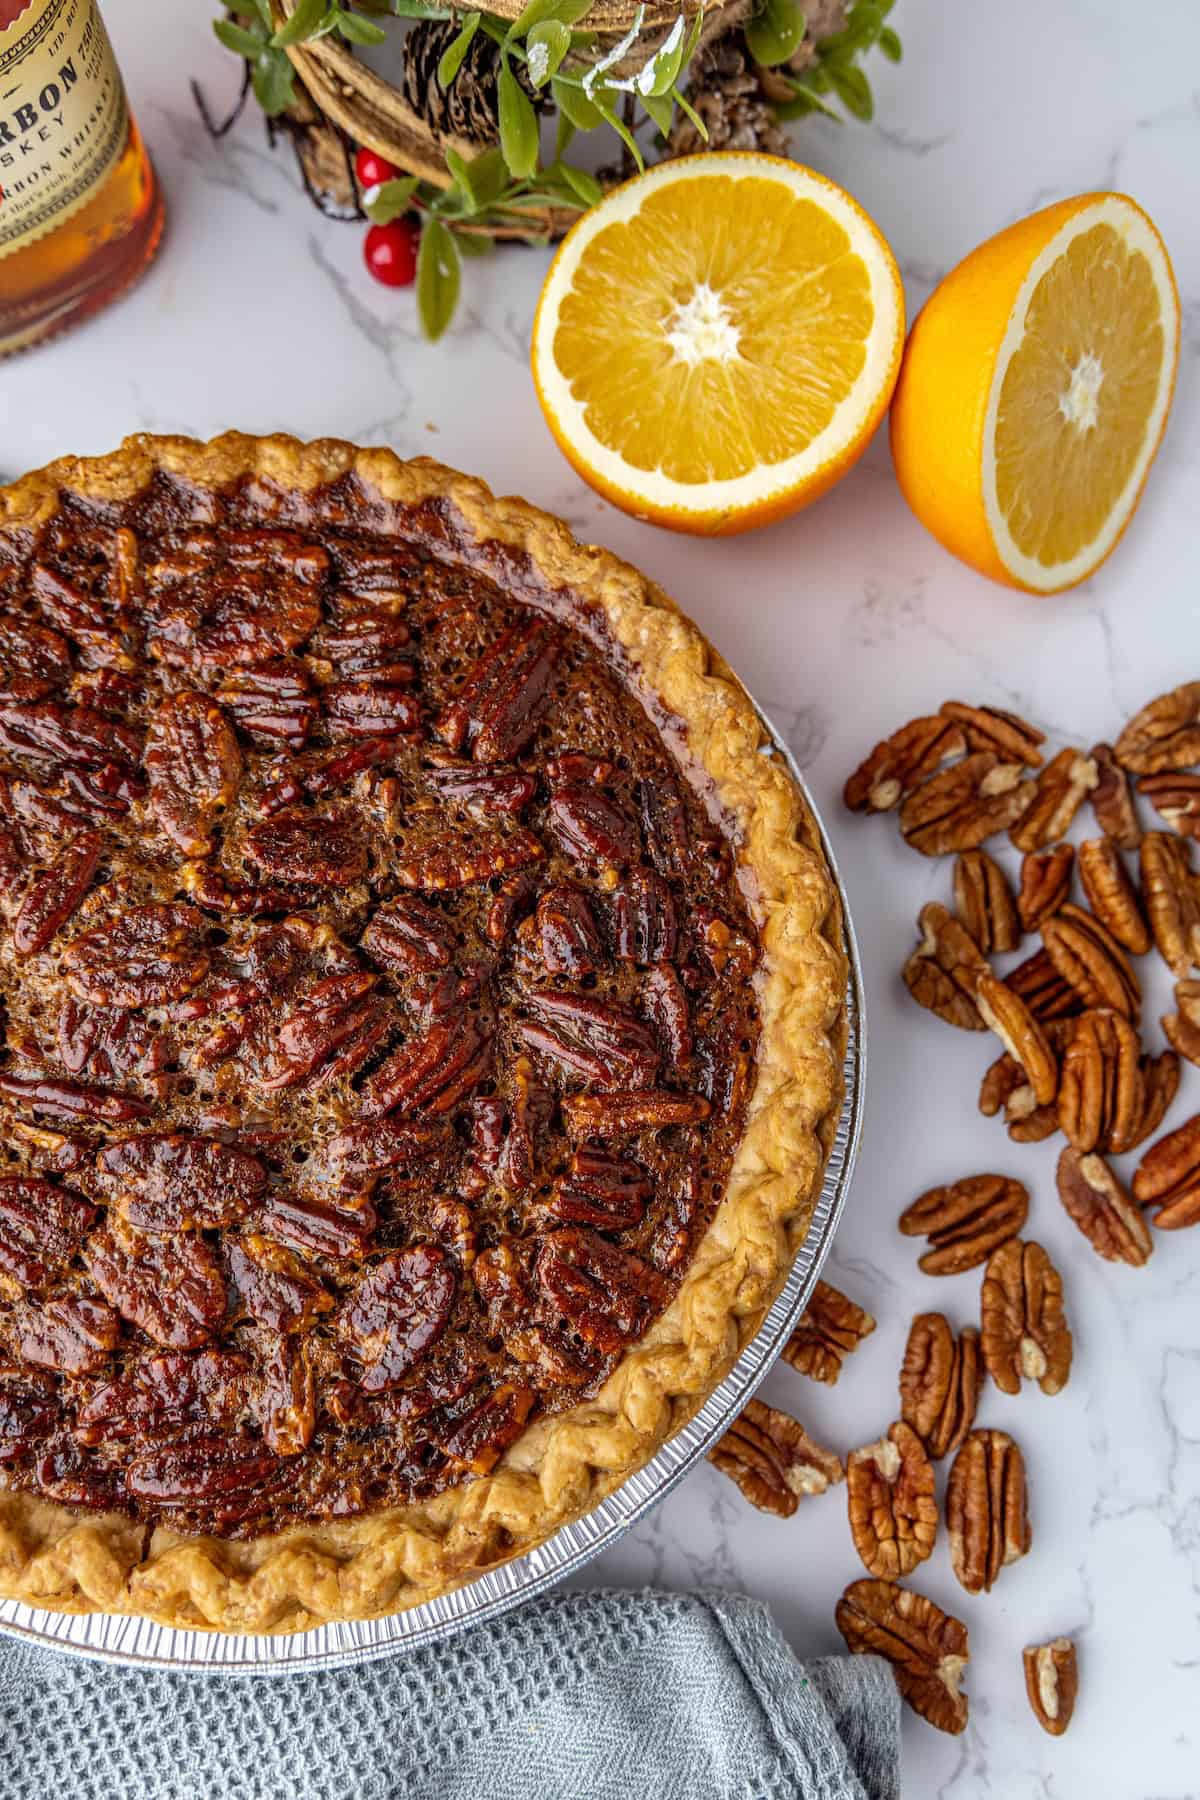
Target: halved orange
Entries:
(717, 340)
(1035, 390)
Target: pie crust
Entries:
(564, 1463)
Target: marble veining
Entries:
(844, 622)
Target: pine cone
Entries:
(724, 90)
(468, 108)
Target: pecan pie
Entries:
(422, 998)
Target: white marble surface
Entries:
(844, 622)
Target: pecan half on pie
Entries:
(422, 1019)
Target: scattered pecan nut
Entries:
(962, 806)
(965, 1221)
(1112, 895)
(831, 1328)
(1112, 800)
(987, 1517)
(1103, 1211)
(1052, 1683)
(1058, 793)
(901, 762)
(984, 902)
(1171, 891)
(1102, 1089)
(1025, 1336)
(1182, 1027)
(939, 1382)
(1168, 1177)
(1004, 1012)
(1176, 799)
(944, 970)
(927, 1648)
(1088, 956)
(1165, 734)
(1006, 1087)
(1038, 983)
(990, 728)
(1045, 884)
(890, 1500)
(773, 1460)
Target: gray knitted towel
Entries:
(591, 1696)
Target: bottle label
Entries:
(63, 117)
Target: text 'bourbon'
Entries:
(80, 209)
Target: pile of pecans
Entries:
(1072, 1061)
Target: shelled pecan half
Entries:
(1176, 800)
(990, 728)
(1038, 983)
(1045, 884)
(901, 762)
(831, 1327)
(965, 1221)
(1165, 734)
(927, 1648)
(773, 1460)
(890, 1500)
(987, 1516)
(1088, 956)
(1059, 791)
(1112, 895)
(984, 902)
(1171, 891)
(1168, 1177)
(939, 1382)
(1182, 1027)
(1052, 1683)
(1107, 1216)
(1025, 1336)
(1004, 1012)
(1101, 1092)
(962, 806)
(1112, 800)
(1006, 1087)
(944, 970)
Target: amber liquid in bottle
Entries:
(81, 211)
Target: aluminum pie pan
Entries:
(142, 1643)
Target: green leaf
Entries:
(662, 71)
(546, 44)
(489, 177)
(453, 55)
(242, 43)
(776, 32)
(303, 22)
(564, 131)
(623, 132)
(854, 91)
(420, 9)
(393, 199)
(660, 108)
(682, 102)
(585, 187)
(565, 11)
(439, 276)
(473, 243)
(518, 123)
(272, 78)
(357, 30)
(583, 113)
(254, 9)
(890, 44)
(461, 172)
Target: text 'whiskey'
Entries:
(81, 212)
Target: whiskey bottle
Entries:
(81, 211)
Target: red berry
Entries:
(390, 252)
(370, 168)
